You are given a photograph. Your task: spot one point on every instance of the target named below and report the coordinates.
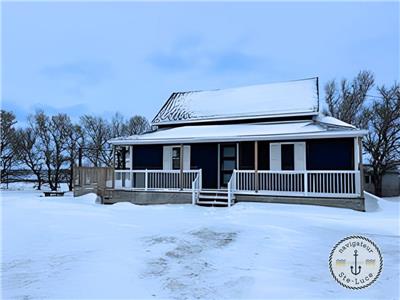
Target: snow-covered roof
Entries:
(292, 98)
(241, 132)
(332, 121)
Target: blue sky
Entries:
(98, 58)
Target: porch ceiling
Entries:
(242, 132)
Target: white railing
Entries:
(338, 183)
(196, 188)
(231, 188)
(299, 183)
(155, 179)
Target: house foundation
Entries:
(160, 197)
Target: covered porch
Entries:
(314, 158)
(254, 168)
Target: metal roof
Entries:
(292, 98)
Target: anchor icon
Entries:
(355, 272)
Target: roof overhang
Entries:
(240, 138)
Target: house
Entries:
(390, 181)
(264, 143)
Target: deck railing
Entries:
(277, 183)
(299, 183)
(231, 189)
(155, 179)
(196, 188)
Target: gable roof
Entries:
(292, 98)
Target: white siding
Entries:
(275, 156)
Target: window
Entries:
(367, 179)
(229, 151)
(228, 165)
(176, 158)
(287, 156)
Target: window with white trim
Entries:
(288, 156)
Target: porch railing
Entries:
(299, 183)
(278, 183)
(155, 179)
(196, 188)
(231, 189)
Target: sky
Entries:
(103, 57)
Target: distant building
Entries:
(390, 182)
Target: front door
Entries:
(227, 163)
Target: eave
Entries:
(268, 137)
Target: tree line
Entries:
(362, 103)
(49, 145)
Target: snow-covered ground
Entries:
(74, 248)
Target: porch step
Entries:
(224, 192)
(212, 203)
(213, 198)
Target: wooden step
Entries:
(219, 203)
(215, 197)
(214, 192)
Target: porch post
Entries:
(219, 165)
(181, 169)
(356, 154)
(361, 167)
(237, 157)
(113, 168)
(113, 151)
(357, 165)
(130, 164)
(256, 166)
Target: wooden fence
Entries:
(92, 179)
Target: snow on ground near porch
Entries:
(74, 248)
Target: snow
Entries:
(332, 121)
(283, 98)
(65, 247)
(235, 132)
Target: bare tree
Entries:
(53, 134)
(137, 125)
(383, 141)
(75, 141)
(117, 125)
(97, 132)
(7, 131)
(346, 101)
(28, 151)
